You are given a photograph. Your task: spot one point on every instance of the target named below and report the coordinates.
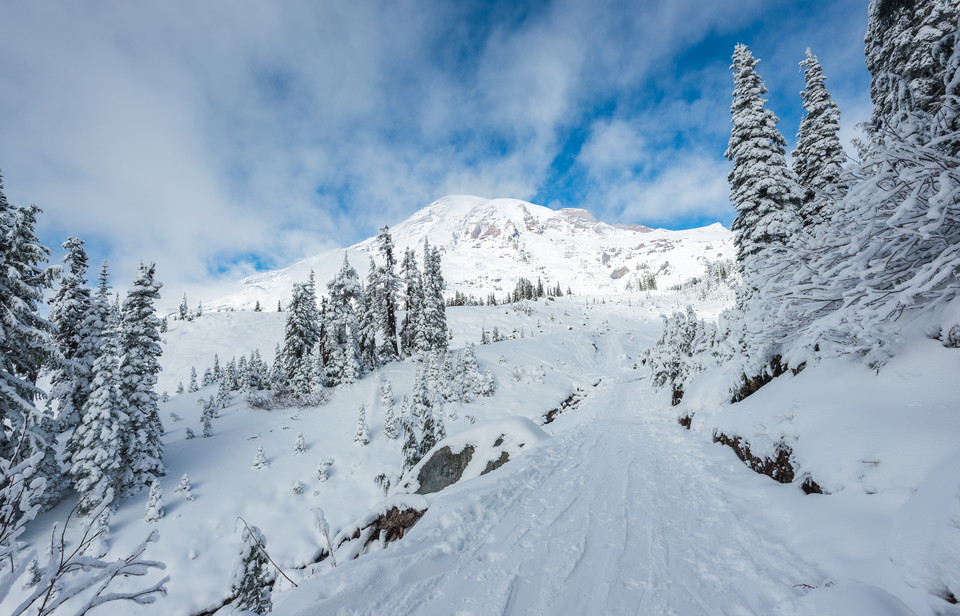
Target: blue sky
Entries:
(218, 138)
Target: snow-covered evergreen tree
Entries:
(223, 394)
(69, 308)
(385, 393)
(300, 447)
(277, 371)
(819, 157)
(413, 301)
(243, 375)
(433, 337)
(209, 412)
(25, 343)
(207, 378)
(686, 347)
(411, 446)
(230, 374)
(767, 198)
(488, 386)
(342, 328)
(427, 407)
(259, 372)
(468, 383)
(67, 574)
(893, 251)
(260, 460)
(367, 335)
(192, 386)
(185, 488)
(139, 366)
(386, 291)
(300, 336)
(154, 503)
(323, 469)
(362, 437)
(906, 74)
(95, 465)
(252, 578)
(184, 309)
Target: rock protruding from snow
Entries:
(471, 453)
(384, 523)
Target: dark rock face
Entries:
(391, 525)
(779, 469)
(443, 469)
(493, 465)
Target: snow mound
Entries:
(926, 533)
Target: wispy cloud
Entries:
(218, 137)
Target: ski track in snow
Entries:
(649, 527)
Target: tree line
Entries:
(838, 256)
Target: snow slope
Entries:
(487, 245)
(620, 511)
(625, 512)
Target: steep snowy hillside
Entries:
(488, 244)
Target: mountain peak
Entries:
(488, 244)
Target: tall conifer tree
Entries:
(96, 464)
(767, 198)
(69, 308)
(818, 158)
(139, 366)
(413, 298)
(342, 327)
(385, 293)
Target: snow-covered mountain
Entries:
(487, 244)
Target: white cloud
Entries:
(196, 133)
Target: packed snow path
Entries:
(624, 513)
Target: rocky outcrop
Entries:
(471, 453)
(779, 468)
(443, 469)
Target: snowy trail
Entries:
(652, 525)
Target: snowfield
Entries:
(619, 511)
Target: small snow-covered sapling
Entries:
(300, 446)
(362, 437)
(260, 460)
(298, 487)
(324, 529)
(184, 488)
(323, 469)
(154, 503)
(189, 433)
